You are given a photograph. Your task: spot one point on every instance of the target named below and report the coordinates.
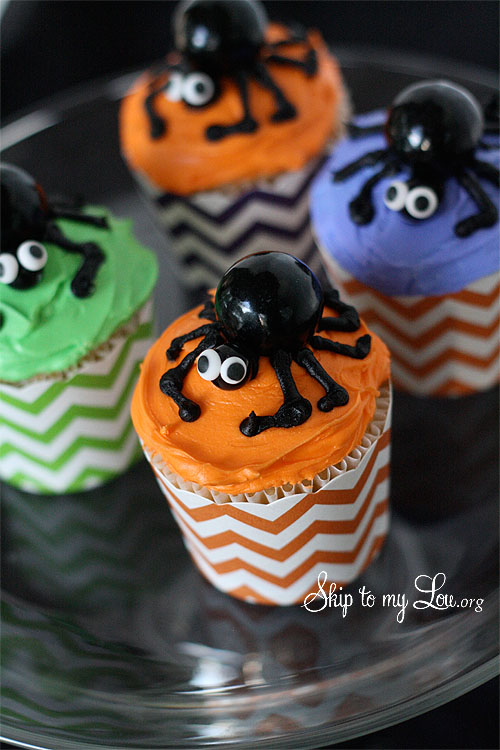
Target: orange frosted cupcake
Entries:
(265, 415)
(227, 133)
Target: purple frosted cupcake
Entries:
(406, 216)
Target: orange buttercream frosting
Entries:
(184, 161)
(214, 453)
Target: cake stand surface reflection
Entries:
(110, 637)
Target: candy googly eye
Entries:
(32, 255)
(208, 364)
(421, 202)
(234, 370)
(9, 268)
(395, 195)
(197, 89)
(173, 87)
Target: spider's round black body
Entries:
(269, 301)
(27, 221)
(23, 217)
(435, 128)
(268, 304)
(434, 120)
(225, 39)
(23, 207)
(219, 35)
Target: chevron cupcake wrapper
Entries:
(272, 552)
(73, 431)
(209, 231)
(446, 345)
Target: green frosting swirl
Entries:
(46, 328)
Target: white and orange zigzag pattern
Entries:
(446, 345)
(272, 554)
(211, 230)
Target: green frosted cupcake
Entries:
(75, 307)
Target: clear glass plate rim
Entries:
(344, 729)
(51, 113)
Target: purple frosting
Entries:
(395, 254)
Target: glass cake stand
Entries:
(111, 638)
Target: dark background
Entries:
(49, 46)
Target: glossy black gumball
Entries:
(267, 305)
(219, 35)
(269, 301)
(434, 120)
(435, 129)
(23, 207)
(223, 38)
(27, 221)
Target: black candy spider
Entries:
(27, 222)
(433, 127)
(267, 304)
(224, 38)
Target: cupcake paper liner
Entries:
(72, 431)
(208, 231)
(270, 547)
(445, 345)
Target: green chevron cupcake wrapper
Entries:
(72, 431)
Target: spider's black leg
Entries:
(247, 124)
(158, 126)
(284, 108)
(368, 160)
(492, 116)
(96, 221)
(348, 319)
(360, 350)
(486, 171)
(483, 146)
(295, 408)
(208, 311)
(358, 131)
(59, 203)
(171, 381)
(335, 395)
(177, 344)
(82, 284)
(309, 65)
(299, 36)
(492, 109)
(361, 207)
(488, 212)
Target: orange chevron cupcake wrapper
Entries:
(272, 552)
(446, 345)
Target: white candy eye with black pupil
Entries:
(208, 364)
(421, 202)
(9, 268)
(395, 195)
(233, 370)
(197, 89)
(32, 255)
(173, 88)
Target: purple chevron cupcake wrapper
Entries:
(208, 231)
